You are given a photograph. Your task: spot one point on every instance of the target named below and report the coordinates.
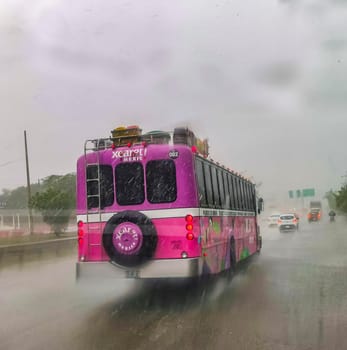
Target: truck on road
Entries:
(315, 212)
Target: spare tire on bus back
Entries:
(129, 238)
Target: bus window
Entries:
(245, 201)
(221, 188)
(106, 186)
(208, 182)
(235, 192)
(243, 195)
(239, 194)
(201, 183)
(231, 192)
(129, 184)
(251, 202)
(215, 188)
(161, 181)
(248, 197)
(227, 191)
(253, 197)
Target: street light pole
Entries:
(31, 226)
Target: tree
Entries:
(17, 198)
(56, 201)
(330, 196)
(55, 207)
(341, 199)
(54, 197)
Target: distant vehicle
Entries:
(332, 215)
(272, 220)
(316, 205)
(315, 212)
(314, 215)
(288, 222)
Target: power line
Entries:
(10, 162)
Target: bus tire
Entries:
(129, 239)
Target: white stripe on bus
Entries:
(167, 213)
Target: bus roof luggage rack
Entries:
(187, 137)
(184, 136)
(97, 144)
(157, 137)
(122, 135)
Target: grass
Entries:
(34, 238)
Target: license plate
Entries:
(287, 226)
(132, 274)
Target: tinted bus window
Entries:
(106, 186)
(208, 182)
(227, 191)
(253, 198)
(161, 181)
(247, 196)
(238, 190)
(235, 192)
(221, 188)
(215, 188)
(244, 195)
(232, 197)
(201, 183)
(129, 184)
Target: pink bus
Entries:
(155, 206)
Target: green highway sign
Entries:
(308, 192)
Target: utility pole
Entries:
(31, 225)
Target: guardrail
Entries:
(33, 251)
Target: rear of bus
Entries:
(137, 212)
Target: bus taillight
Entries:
(189, 227)
(80, 232)
(190, 236)
(189, 218)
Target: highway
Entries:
(290, 297)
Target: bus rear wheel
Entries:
(129, 239)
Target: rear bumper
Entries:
(287, 227)
(165, 268)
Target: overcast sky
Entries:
(264, 81)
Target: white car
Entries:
(273, 219)
(288, 222)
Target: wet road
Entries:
(292, 296)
